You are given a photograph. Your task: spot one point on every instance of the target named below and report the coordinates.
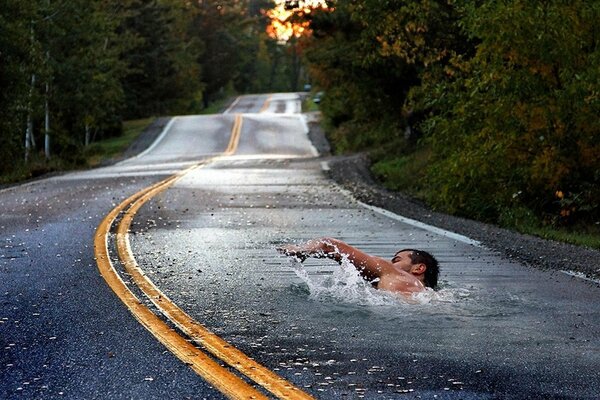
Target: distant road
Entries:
(203, 243)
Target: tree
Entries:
(505, 93)
(365, 92)
(518, 126)
(15, 74)
(163, 74)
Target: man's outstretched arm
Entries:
(370, 267)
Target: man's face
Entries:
(403, 261)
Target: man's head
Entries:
(419, 262)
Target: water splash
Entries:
(346, 286)
(443, 295)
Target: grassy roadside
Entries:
(108, 149)
(217, 107)
(407, 174)
(95, 154)
(308, 105)
(588, 236)
(111, 148)
(91, 156)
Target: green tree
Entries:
(365, 92)
(16, 57)
(506, 94)
(87, 70)
(214, 23)
(238, 55)
(254, 58)
(163, 74)
(518, 126)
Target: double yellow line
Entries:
(221, 378)
(234, 139)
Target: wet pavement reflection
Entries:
(495, 327)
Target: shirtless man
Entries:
(408, 272)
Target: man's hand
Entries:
(293, 251)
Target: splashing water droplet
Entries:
(346, 285)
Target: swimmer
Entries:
(409, 271)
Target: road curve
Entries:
(496, 329)
(208, 243)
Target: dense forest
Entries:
(72, 70)
(487, 109)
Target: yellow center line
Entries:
(234, 139)
(226, 382)
(265, 106)
(213, 343)
(221, 378)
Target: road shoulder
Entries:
(353, 174)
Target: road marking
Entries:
(222, 379)
(267, 104)
(213, 343)
(232, 105)
(417, 224)
(422, 225)
(234, 139)
(157, 141)
(579, 275)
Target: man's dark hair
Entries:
(432, 267)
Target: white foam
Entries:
(346, 286)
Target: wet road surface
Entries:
(496, 329)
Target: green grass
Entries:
(92, 156)
(586, 237)
(107, 149)
(111, 148)
(406, 173)
(308, 105)
(215, 107)
(37, 166)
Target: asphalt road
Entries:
(496, 329)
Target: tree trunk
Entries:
(29, 141)
(28, 136)
(47, 125)
(295, 67)
(87, 135)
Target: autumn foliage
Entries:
(505, 96)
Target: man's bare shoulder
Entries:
(400, 281)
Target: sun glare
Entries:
(286, 18)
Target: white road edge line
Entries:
(422, 225)
(313, 149)
(409, 221)
(439, 231)
(580, 275)
(155, 143)
(232, 105)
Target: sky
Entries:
(281, 27)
